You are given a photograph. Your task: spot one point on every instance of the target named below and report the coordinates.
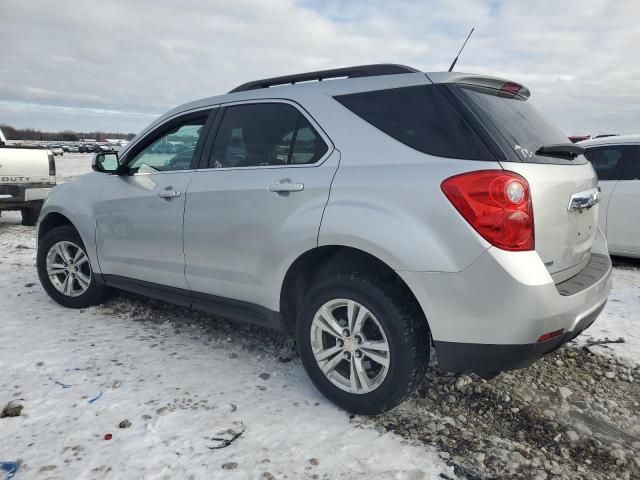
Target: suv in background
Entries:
(375, 216)
(616, 160)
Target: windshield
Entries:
(522, 125)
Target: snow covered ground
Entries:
(187, 382)
(70, 165)
(621, 316)
(182, 382)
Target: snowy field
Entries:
(207, 398)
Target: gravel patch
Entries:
(574, 414)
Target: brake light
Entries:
(52, 165)
(509, 89)
(497, 204)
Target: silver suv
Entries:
(376, 212)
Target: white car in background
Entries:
(616, 160)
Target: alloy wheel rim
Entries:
(350, 346)
(68, 268)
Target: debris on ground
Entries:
(124, 424)
(97, 397)
(9, 469)
(12, 409)
(226, 437)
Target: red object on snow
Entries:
(108, 436)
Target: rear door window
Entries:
(631, 169)
(421, 118)
(264, 134)
(609, 161)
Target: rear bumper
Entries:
(489, 317)
(16, 196)
(486, 359)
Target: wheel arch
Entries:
(55, 217)
(50, 221)
(325, 260)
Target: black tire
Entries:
(96, 292)
(30, 215)
(405, 328)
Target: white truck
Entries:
(26, 176)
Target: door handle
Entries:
(168, 193)
(285, 186)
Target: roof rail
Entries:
(349, 72)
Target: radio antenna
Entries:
(461, 48)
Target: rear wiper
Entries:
(563, 150)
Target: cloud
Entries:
(117, 64)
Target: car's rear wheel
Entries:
(65, 271)
(363, 341)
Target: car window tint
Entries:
(632, 164)
(308, 146)
(264, 134)
(421, 118)
(607, 160)
(172, 151)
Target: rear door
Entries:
(563, 234)
(257, 202)
(622, 226)
(140, 213)
(607, 160)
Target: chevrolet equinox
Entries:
(375, 212)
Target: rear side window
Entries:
(421, 118)
(610, 161)
(261, 134)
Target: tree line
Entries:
(12, 133)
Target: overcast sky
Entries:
(116, 64)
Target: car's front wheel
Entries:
(65, 271)
(363, 342)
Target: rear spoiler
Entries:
(500, 84)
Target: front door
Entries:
(258, 203)
(624, 205)
(140, 212)
(618, 169)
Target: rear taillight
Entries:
(52, 166)
(497, 204)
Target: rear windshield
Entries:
(421, 118)
(522, 125)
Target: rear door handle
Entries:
(285, 186)
(169, 193)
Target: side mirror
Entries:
(105, 162)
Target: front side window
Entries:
(608, 160)
(173, 150)
(263, 134)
